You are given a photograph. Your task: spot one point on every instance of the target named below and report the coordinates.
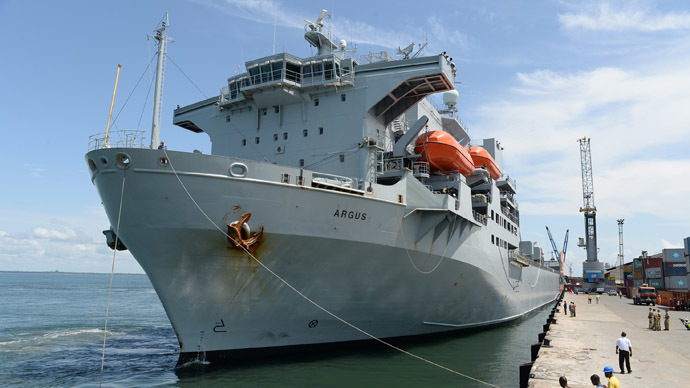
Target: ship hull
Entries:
(330, 268)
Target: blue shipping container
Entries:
(675, 269)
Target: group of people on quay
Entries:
(655, 319)
(680, 304)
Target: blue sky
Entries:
(535, 75)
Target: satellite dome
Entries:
(343, 44)
(451, 97)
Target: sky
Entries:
(536, 75)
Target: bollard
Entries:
(525, 374)
(535, 351)
(546, 327)
(554, 321)
(541, 337)
(547, 343)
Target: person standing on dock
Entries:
(574, 309)
(563, 382)
(596, 381)
(589, 299)
(651, 318)
(624, 351)
(658, 320)
(598, 296)
(666, 321)
(565, 307)
(613, 381)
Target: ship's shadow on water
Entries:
(488, 354)
(53, 337)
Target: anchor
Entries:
(239, 233)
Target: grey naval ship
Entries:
(335, 192)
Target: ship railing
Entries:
(518, 257)
(282, 76)
(420, 169)
(479, 198)
(118, 139)
(479, 217)
(510, 215)
(389, 164)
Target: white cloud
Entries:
(668, 245)
(64, 234)
(636, 119)
(270, 12)
(452, 38)
(629, 16)
(65, 247)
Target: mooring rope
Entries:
(443, 255)
(310, 300)
(112, 272)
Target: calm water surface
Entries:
(51, 335)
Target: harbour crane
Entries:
(592, 268)
(560, 256)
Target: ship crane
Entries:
(592, 268)
(560, 256)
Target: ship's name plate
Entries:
(353, 215)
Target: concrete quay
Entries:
(584, 345)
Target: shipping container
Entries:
(637, 263)
(653, 273)
(628, 282)
(675, 269)
(656, 283)
(627, 268)
(628, 275)
(673, 255)
(637, 283)
(676, 283)
(652, 262)
(637, 275)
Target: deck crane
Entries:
(592, 268)
(560, 256)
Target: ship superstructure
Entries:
(330, 173)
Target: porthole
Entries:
(103, 160)
(122, 161)
(238, 170)
(163, 161)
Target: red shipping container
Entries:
(653, 262)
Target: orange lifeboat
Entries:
(444, 153)
(481, 157)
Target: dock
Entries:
(582, 346)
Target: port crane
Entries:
(560, 256)
(592, 268)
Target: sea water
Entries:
(51, 335)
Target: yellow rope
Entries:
(112, 272)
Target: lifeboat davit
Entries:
(482, 157)
(444, 153)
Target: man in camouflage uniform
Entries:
(658, 320)
(651, 318)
